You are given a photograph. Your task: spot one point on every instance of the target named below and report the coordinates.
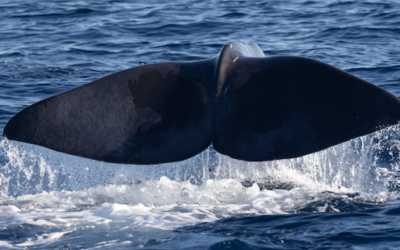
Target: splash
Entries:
(366, 165)
(63, 197)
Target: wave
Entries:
(65, 14)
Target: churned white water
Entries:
(59, 197)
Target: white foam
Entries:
(5, 244)
(153, 205)
(42, 239)
(66, 194)
(113, 244)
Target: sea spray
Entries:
(362, 165)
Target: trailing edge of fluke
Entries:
(248, 106)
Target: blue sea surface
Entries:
(344, 197)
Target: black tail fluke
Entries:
(144, 115)
(251, 107)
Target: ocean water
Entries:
(344, 197)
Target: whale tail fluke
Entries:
(250, 107)
(285, 107)
(144, 115)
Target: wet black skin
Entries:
(249, 108)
